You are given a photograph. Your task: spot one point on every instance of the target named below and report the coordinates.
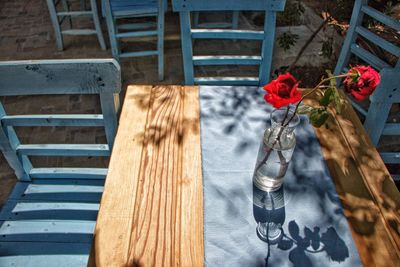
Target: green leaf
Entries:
(327, 98)
(304, 109)
(318, 116)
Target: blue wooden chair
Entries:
(50, 216)
(58, 17)
(267, 37)
(125, 9)
(387, 92)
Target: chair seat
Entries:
(122, 8)
(49, 223)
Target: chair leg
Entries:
(56, 25)
(66, 8)
(160, 44)
(111, 26)
(187, 49)
(97, 24)
(267, 47)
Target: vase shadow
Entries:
(269, 211)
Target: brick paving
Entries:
(26, 32)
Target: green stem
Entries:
(312, 91)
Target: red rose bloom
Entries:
(361, 82)
(282, 91)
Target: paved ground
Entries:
(27, 33)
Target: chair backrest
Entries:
(267, 37)
(42, 77)
(359, 43)
(359, 37)
(387, 94)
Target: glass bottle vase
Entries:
(276, 150)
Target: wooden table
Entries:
(151, 212)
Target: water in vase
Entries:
(273, 158)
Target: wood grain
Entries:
(369, 196)
(151, 212)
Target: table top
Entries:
(151, 212)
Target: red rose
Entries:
(282, 91)
(361, 82)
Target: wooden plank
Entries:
(368, 194)
(116, 210)
(156, 218)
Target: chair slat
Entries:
(24, 191)
(391, 48)
(53, 120)
(138, 54)
(395, 24)
(391, 129)
(137, 26)
(226, 34)
(227, 80)
(79, 32)
(75, 13)
(390, 157)
(47, 231)
(39, 210)
(68, 173)
(253, 5)
(368, 57)
(136, 34)
(44, 254)
(64, 150)
(226, 60)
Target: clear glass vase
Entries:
(276, 150)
